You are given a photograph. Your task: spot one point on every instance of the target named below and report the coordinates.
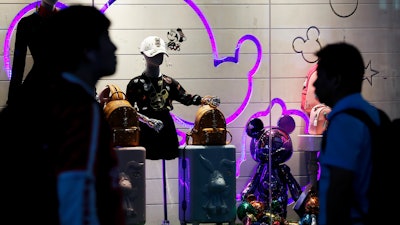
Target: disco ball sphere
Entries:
(281, 146)
(254, 127)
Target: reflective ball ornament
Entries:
(254, 127)
(281, 146)
(287, 123)
(259, 207)
(244, 209)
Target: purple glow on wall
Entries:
(230, 59)
(266, 112)
(105, 7)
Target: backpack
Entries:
(121, 116)
(318, 121)
(209, 127)
(382, 199)
(308, 98)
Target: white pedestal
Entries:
(207, 184)
(312, 145)
(132, 171)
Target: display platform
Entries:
(312, 145)
(132, 179)
(207, 184)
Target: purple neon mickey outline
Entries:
(105, 6)
(217, 61)
(235, 59)
(14, 22)
(264, 113)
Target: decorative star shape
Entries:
(369, 73)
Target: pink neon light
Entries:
(218, 60)
(238, 111)
(105, 6)
(264, 113)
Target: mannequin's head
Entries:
(155, 61)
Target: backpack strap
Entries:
(115, 92)
(376, 133)
(361, 115)
(317, 110)
(357, 113)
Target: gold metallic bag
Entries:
(209, 127)
(121, 116)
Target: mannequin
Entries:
(28, 36)
(152, 94)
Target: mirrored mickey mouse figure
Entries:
(270, 147)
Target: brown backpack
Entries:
(121, 116)
(209, 127)
(318, 119)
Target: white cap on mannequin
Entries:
(152, 46)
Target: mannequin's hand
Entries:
(213, 101)
(157, 125)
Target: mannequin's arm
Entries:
(157, 125)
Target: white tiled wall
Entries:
(283, 28)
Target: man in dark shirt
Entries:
(64, 169)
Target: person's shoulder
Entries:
(31, 17)
(69, 92)
(346, 117)
(30, 20)
(25, 20)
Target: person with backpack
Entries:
(61, 166)
(345, 156)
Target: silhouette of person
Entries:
(29, 36)
(64, 157)
(345, 158)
